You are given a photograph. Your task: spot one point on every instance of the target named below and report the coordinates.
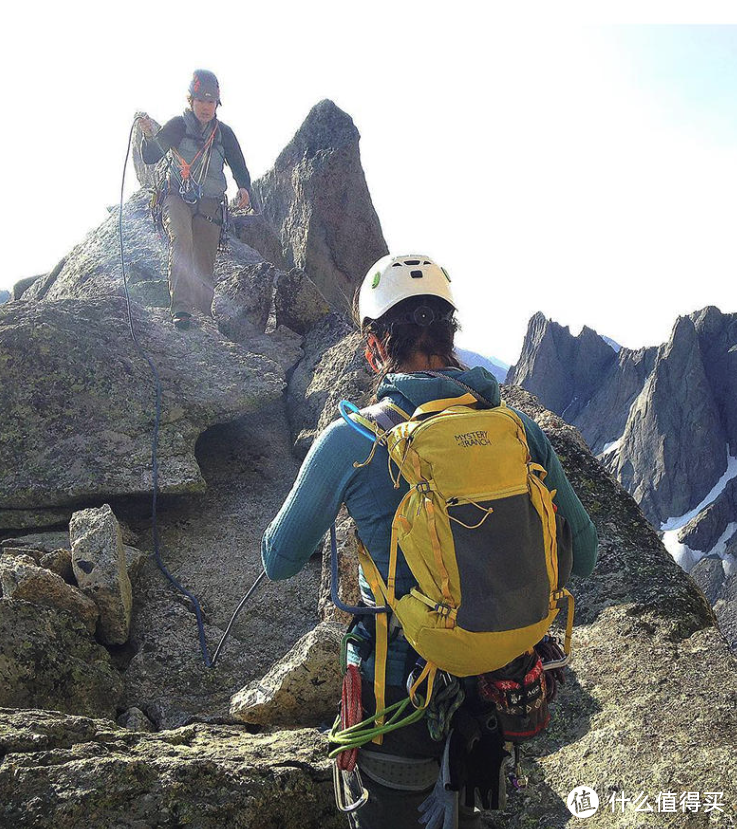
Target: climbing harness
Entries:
(193, 174)
(190, 190)
(209, 662)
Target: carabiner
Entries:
(349, 783)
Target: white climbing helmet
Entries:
(394, 278)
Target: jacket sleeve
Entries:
(235, 159)
(313, 504)
(585, 538)
(170, 135)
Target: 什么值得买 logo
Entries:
(583, 802)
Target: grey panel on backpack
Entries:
(504, 582)
(383, 415)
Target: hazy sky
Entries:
(560, 164)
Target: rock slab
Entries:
(78, 400)
(22, 579)
(317, 198)
(69, 772)
(49, 660)
(302, 688)
(99, 564)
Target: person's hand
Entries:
(146, 125)
(244, 199)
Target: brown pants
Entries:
(193, 245)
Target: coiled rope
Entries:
(209, 663)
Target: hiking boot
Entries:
(181, 320)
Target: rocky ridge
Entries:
(638, 704)
(638, 710)
(662, 419)
(317, 199)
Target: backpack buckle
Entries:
(423, 487)
(443, 610)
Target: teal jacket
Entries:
(329, 479)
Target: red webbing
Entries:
(350, 714)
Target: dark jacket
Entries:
(186, 135)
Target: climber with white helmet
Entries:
(415, 774)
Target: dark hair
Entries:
(403, 337)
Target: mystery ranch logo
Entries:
(473, 439)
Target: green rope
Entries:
(362, 733)
(443, 706)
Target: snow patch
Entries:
(682, 520)
(684, 555)
(729, 565)
(721, 545)
(563, 413)
(611, 447)
(610, 342)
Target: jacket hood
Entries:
(418, 387)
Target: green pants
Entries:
(193, 245)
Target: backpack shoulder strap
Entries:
(381, 417)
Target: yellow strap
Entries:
(435, 406)
(369, 424)
(378, 588)
(438, 552)
(535, 467)
(391, 580)
(382, 650)
(428, 672)
(451, 611)
(372, 574)
(569, 624)
(393, 548)
(555, 597)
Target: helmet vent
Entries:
(416, 274)
(397, 265)
(411, 261)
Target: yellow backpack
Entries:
(478, 531)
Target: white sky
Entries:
(554, 163)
